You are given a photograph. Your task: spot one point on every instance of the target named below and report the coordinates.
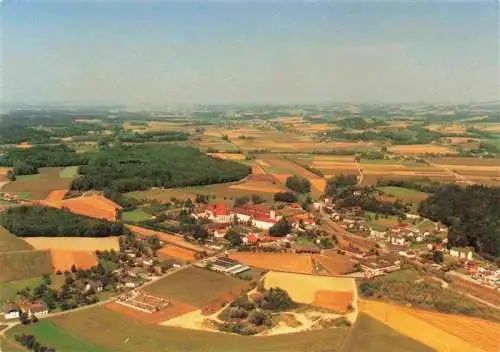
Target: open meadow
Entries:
(38, 186)
(404, 194)
(10, 242)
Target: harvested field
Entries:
(310, 289)
(24, 264)
(370, 335)
(295, 263)
(406, 322)
(335, 264)
(228, 156)
(74, 243)
(177, 253)
(96, 206)
(468, 286)
(174, 309)
(63, 260)
(478, 332)
(333, 300)
(10, 242)
(165, 237)
(38, 187)
(196, 286)
(55, 198)
(258, 186)
(421, 149)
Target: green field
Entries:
(69, 172)
(10, 242)
(196, 286)
(405, 194)
(25, 264)
(135, 215)
(404, 275)
(36, 187)
(369, 335)
(8, 290)
(51, 335)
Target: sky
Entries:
(160, 53)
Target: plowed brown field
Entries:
(334, 300)
(55, 198)
(335, 264)
(296, 263)
(64, 260)
(177, 252)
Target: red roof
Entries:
(251, 210)
(252, 239)
(295, 205)
(218, 209)
(264, 218)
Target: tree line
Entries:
(472, 215)
(139, 167)
(31, 221)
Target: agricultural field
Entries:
(370, 335)
(64, 260)
(281, 169)
(404, 194)
(106, 330)
(55, 198)
(165, 237)
(335, 293)
(10, 242)
(39, 186)
(24, 264)
(473, 169)
(217, 193)
(8, 290)
(421, 149)
(196, 286)
(407, 322)
(74, 243)
(334, 264)
(329, 165)
(176, 253)
(136, 215)
(374, 170)
(69, 172)
(295, 263)
(228, 156)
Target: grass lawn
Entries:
(69, 172)
(10, 242)
(22, 265)
(426, 225)
(196, 286)
(404, 276)
(51, 335)
(369, 335)
(303, 240)
(135, 215)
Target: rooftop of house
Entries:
(377, 263)
(218, 209)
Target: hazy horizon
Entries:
(161, 53)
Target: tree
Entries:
(287, 197)
(11, 176)
(337, 185)
(238, 202)
(276, 299)
(281, 228)
(154, 242)
(257, 199)
(47, 279)
(298, 184)
(437, 257)
(233, 237)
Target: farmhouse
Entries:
(378, 266)
(36, 309)
(11, 311)
(228, 266)
(215, 212)
(259, 216)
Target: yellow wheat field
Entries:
(303, 288)
(74, 243)
(418, 326)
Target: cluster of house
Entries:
(379, 265)
(483, 275)
(31, 309)
(8, 196)
(401, 235)
(224, 265)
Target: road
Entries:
(360, 181)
